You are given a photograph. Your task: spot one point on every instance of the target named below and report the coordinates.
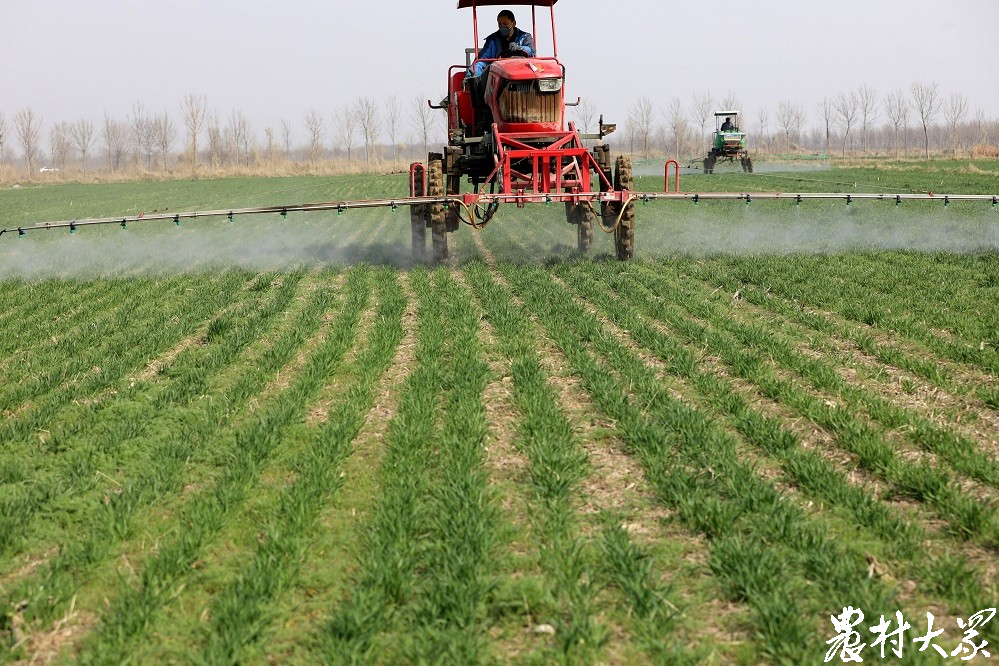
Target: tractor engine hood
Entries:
(526, 69)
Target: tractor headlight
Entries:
(549, 85)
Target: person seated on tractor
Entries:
(508, 41)
(728, 126)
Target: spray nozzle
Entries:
(339, 210)
(548, 199)
(946, 201)
(122, 223)
(994, 201)
(394, 207)
(72, 227)
(20, 231)
(696, 197)
(176, 220)
(898, 200)
(849, 200)
(229, 216)
(749, 199)
(284, 212)
(797, 201)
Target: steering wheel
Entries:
(514, 54)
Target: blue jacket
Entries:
(496, 44)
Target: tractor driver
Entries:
(509, 40)
(727, 126)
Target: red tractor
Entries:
(507, 131)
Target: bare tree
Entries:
(867, 100)
(286, 137)
(28, 128)
(346, 127)
(789, 119)
(701, 108)
(846, 113)
(269, 138)
(827, 114)
(678, 127)
(239, 132)
(392, 114)
(421, 121)
(981, 131)
(164, 135)
(143, 134)
(366, 113)
(897, 109)
(315, 126)
(763, 128)
(82, 134)
(586, 113)
(729, 102)
(3, 139)
(926, 101)
(216, 141)
(954, 113)
(194, 120)
(115, 135)
(60, 144)
(642, 116)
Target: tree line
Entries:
(898, 124)
(363, 131)
(901, 123)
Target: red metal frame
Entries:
(558, 163)
(414, 169)
(676, 176)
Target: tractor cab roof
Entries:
(719, 114)
(487, 3)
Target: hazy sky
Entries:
(72, 59)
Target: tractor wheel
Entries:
(419, 219)
(624, 235)
(583, 217)
(438, 223)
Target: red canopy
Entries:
(486, 3)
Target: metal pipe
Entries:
(470, 199)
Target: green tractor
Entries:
(728, 143)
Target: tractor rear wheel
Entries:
(624, 234)
(419, 219)
(438, 223)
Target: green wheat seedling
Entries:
(557, 466)
(171, 444)
(388, 559)
(922, 482)
(811, 472)
(239, 613)
(205, 516)
(728, 499)
(94, 438)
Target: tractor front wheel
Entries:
(438, 222)
(624, 233)
(583, 217)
